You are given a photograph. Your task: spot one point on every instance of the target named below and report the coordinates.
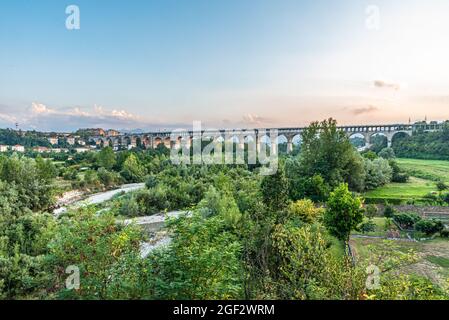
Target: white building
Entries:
(41, 149)
(53, 140)
(81, 150)
(71, 141)
(18, 148)
(3, 148)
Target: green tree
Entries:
(378, 173)
(327, 151)
(106, 253)
(274, 190)
(108, 178)
(306, 269)
(187, 270)
(371, 211)
(132, 170)
(45, 169)
(23, 240)
(106, 158)
(35, 192)
(305, 211)
(387, 153)
(344, 212)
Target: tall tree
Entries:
(275, 190)
(344, 212)
(327, 151)
(106, 158)
(132, 169)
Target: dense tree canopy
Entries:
(424, 145)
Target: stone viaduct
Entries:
(273, 136)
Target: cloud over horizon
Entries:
(387, 85)
(42, 117)
(365, 110)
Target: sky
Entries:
(161, 64)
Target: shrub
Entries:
(151, 182)
(406, 220)
(429, 227)
(368, 226)
(371, 210)
(378, 173)
(129, 208)
(441, 186)
(444, 233)
(387, 153)
(389, 212)
(445, 197)
(431, 197)
(399, 176)
(305, 210)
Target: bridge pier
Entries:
(289, 147)
(273, 148)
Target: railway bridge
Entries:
(270, 136)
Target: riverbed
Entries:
(100, 197)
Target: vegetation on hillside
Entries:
(247, 236)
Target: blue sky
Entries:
(248, 63)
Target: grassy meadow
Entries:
(423, 177)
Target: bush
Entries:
(108, 178)
(305, 210)
(406, 220)
(378, 173)
(129, 208)
(441, 186)
(399, 176)
(429, 227)
(151, 182)
(444, 233)
(445, 197)
(368, 226)
(432, 197)
(387, 153)
(371, 210)
(389, 212)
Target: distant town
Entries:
(82, 140)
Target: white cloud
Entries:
(39, 108)
(387, 85)
(42, 117)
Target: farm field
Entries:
(415, 188)
(433, 170)
(433, 257)
(423, 177)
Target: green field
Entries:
(433, 170)
(423, 177)
(433, 257)
(415, 188)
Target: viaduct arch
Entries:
(258, 136)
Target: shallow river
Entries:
(100, 197)
(148, 223)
